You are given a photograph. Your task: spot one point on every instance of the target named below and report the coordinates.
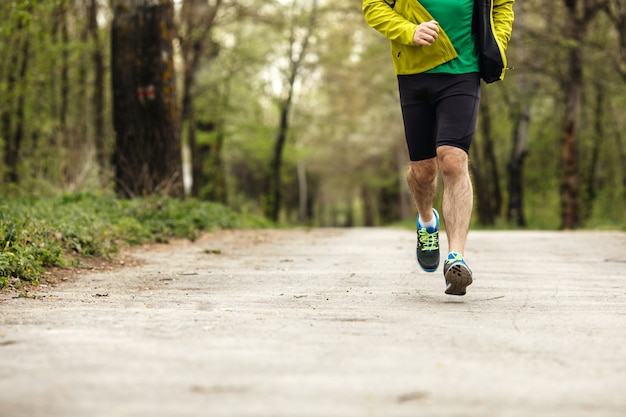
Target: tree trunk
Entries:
(11, 153)
(15, 137)
(65, 57)
(515, 208)
(485, 170)
(197, 20)
(147, 157)
(196, 152)
(208, 170)
(570, 186)
(216, 170)
(596, 146)
(368, 200)
(13, 124)
(275, 191)
(65, 136)
(20, 114)
(579, 16)
(98, 88)
(296, 57)
(620, 144)
(572, 87)
(521, 124)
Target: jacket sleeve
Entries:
(503, 20)
(379, 15)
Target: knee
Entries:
(423, 171)
(453, 162)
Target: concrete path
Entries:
(326, 323)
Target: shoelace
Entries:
(429, 241)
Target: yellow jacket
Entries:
(398, 20)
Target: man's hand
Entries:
(426, 33)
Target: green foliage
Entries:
(345, 128)
(36, 234)
(26, 247)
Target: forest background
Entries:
(289, 109)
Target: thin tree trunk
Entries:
(620, 144)
(13, 123)
(217, 167)
(521, 119)
(20, 113)
(15, 137)
(197, 20)
(570, 186)
(515, 208)
(572, 86)
(616, 10)
(66, 138)
(369, 215)
(485, 170)
(98, 88)
(196, 153)
(579, 16)
(210, 178)
(65, 78)
(275, 192)
(598, 138)
(302, 192)
(10, 152)
(191, 60)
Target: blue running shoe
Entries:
(428, 245)
(457, 273)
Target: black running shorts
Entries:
(438, 109)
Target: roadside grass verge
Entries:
(41, 233)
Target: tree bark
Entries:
(579, 16)
(572, 87)
(303, 192)
(521, 124)
(570, 185)
(65, 70)
(146, 118)
(98, 88)
(485, 170)
(590, 179)
(13, 123)
(515, 208)
(197, 21)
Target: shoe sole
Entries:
(429, 269)
(458, 278)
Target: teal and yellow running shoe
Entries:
(428, 245)
(457, 274)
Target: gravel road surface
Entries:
(326, 322)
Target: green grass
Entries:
(36, 234)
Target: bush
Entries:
(36, 234)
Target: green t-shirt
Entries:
(455, 17)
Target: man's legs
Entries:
(457, 206)
(422, 180)
(440, 113)
(458, 195)
(457, 211)
(457, 192)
